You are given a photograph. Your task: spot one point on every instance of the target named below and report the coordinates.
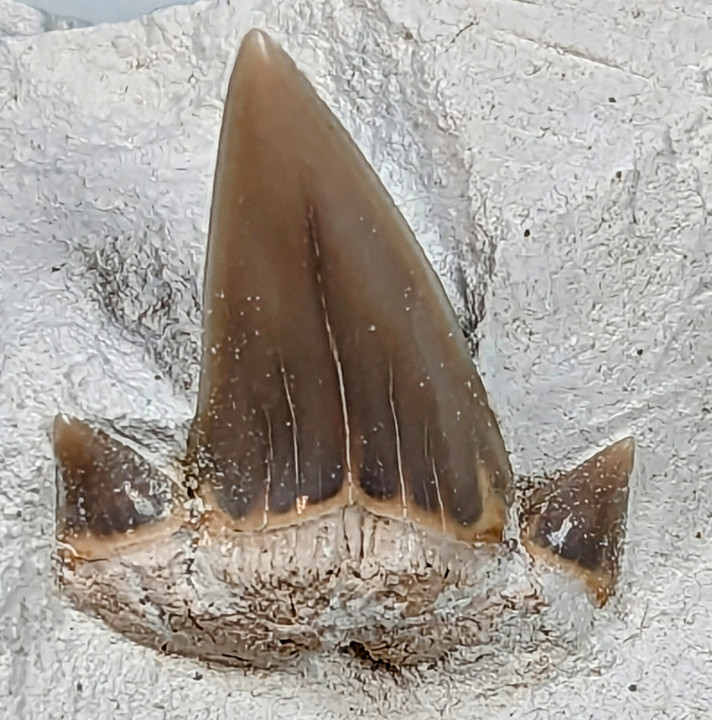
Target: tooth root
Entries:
(577, 521)
(106, 492)
(334, 369)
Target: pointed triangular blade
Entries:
(108, 496)
(334, 370)
(577, 521)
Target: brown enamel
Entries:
(577, 520)
(106, 492)
(334, 369)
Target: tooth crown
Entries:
(334, 370)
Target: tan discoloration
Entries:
(599, 583)
(264, 521)
(86, 546)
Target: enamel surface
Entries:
(577, 521)
(108, 495)
(334, 370)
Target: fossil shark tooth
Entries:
(334, 368)
(577, 520)
(346, 483)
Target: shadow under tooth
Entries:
(323, 314)
(104, 487)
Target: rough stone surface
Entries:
(555, 160)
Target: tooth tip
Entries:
(626, 444)
(258, 47)
(65, 428)
(261, 77)
(60, 421)
(256, 40)
(615, 463)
